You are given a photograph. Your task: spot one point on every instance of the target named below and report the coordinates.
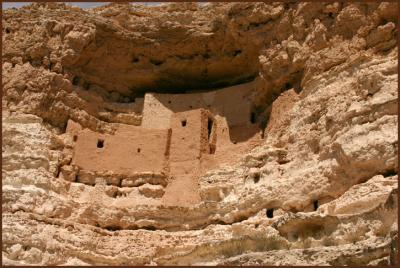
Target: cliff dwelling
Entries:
(194, 133)
(180, 137)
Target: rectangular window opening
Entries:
(100, 143)
(209, 127)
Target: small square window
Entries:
(183, 122)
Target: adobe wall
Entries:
(156, 115)
(73, 128)
(131, 149)
(232, 103)
(189, 139)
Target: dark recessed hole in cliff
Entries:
(113, 228)
(390, 173)
(330, 15)
(149, 228)
(256, 177)
(206, 56)
(286, 6)
(135, 59)
(138, 150)
(75, 80)
(183, 123)
(283, 161)
(253, 117)
(75, 138)
(270, 213)
(256, 25)
(8, 30)
(156, 62)
(315, 204)
(237, 52)
(288, 86)
(100, 143)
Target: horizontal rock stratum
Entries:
(186, 134)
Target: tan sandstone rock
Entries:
(187, 134)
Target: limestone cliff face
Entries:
(319, 188)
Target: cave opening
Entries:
(183, 123)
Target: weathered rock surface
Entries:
(320, 189)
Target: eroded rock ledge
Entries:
(297, 109)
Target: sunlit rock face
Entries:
(185, 134)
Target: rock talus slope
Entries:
(320, 189)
